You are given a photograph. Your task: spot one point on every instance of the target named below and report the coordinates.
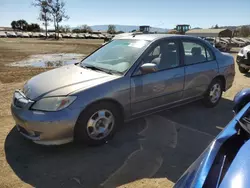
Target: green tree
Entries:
(14, 25)
(19, 25)
(33, 27)
(111, 29)
(216, 26)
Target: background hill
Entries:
(125, 28)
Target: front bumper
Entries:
(242, 61)
(46, 128)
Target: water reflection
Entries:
(49, 60)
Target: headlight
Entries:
(53, 103)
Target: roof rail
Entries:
(142, 33)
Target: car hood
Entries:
(63, 81)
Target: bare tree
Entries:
(244, 31)
(111, 29)
(64, 29)
(85, 29)
(44, 16)
(57, 10)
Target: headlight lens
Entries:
(53, 103)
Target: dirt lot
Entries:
(149, 152)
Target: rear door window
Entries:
(196, 53)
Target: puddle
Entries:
(49, 60)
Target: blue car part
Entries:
(222, 163)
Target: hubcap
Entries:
(215, 93)
(100, 124)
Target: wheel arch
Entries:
(223, 81)
(107, 100)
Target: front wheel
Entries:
(243, 70)
(213, 94)
(98, 123)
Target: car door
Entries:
(200, 67)
(160, 88)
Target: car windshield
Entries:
(117, 56)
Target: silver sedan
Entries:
(129, 77)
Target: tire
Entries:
(243, 70)
(211, 101)
(86, 128)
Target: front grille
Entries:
(239, 58)
(28, 133)
(22, 130)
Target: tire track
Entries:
(159, 134)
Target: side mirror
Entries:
(148, 68)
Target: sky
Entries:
(156, 13)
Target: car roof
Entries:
(151, 37)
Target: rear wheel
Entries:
(98, 124)
(243, 70)
(213, 94)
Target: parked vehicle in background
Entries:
(129, 77)
(211, 40)
(30, 34)
(11, 34)
(80, 36)
(222, 45)
(225, 162)
(243, 59)
(74, 35)
(238, 43)
(42, 35)
(36, 35)
(2, 34)
(19, 34)
(22, 34)
(94, 36)
(25, 35)
(245, 41)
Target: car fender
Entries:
(241, 99)
(197, 173)
(238, 173)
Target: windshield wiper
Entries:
(96, 68)
(101, 69)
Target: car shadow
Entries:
(158, 146)
(247, 75)
(235, 50)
